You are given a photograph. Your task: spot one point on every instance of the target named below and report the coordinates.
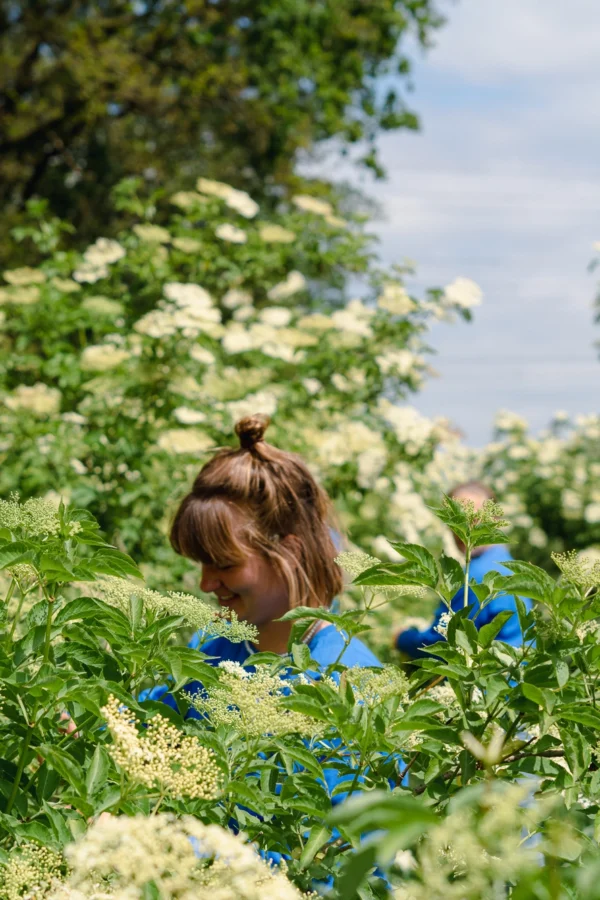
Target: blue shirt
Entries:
(414, 642)
(325, 647)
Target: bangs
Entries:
(209, 531)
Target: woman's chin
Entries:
(234, 604)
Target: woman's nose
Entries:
(210, 580)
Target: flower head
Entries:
(294, 282)
(582, 571)
(312, 204)
(24, 275)
(181, 858)
(39, 399)
(100, 357)
(161, 756)
(231, 233)
(197, 613)
(251, 703)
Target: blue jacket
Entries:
(414, 642)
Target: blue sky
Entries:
(502, 185)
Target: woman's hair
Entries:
(249, 499)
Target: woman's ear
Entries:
(294, 544)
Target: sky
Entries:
(502, 185)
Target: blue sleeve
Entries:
(411, 640)
(159, 693)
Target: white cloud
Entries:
(491, 41)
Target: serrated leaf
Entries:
(97, 771)
(13, 553)
(488, 632)
(562, 672)
(65, 765)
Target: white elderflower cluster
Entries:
(96, 260)
(188, 416)
(312, 204)
(184, 440)
(463, 293)
(395, 300)
(264, 402)
(235, 199)
(191, 311)
(294, 282)
(507, 421)
(276, 234)
(399, 362)
(231, 233)
(251, 703)
(24, 296)
(35, 516)
(31, 872)
(103, 306)
(152, 234)
(38, 399)
(24, 275)
(161, 756)
(582, 571)
(354, 320)
(442, 625)
(198, 614)
(411, 428)
(375, 686)
(102, 357)
(467, 856)
(356, 562)
(183, 859)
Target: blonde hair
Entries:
(249, 499)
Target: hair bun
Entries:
(251, 430)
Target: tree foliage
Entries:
(92, 92)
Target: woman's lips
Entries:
(228, 601)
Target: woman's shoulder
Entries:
(327, 644)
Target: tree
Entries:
(91, 92)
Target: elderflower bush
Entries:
(424, 776)
(123, 366)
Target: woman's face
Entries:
(254, 589)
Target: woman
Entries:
(259, 525)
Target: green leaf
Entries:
(136, 611)
(544, 698)
(63, 763)
(13, 553)
(488, 632)
(99, 766)
(562, 672)
(354, 871)
(452, 576)
(317, 838)
(415, 553)
(396, 574)
(378, 809)
(301, 657)
(580, 713)
(55, 568)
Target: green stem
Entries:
(18, 613)
(20, 767)
(50, 601)
(10, 592)
(467, 564)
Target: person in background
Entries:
(413, 643)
